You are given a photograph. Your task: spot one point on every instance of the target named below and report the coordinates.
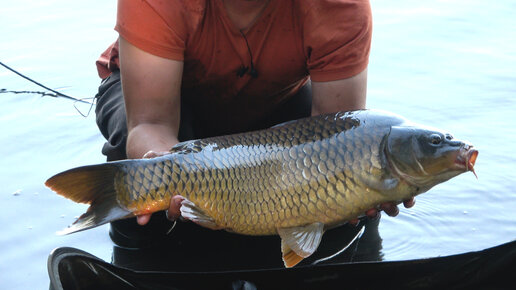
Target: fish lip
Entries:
(466, 158)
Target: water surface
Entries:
(450, 64)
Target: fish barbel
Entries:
(296, 179)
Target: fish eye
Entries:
(436, 139)
(449, 136)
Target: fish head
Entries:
(425, 157)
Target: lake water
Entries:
(450, 64)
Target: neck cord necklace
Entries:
(243, 69)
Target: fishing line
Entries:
(358, 235)
(55, 94)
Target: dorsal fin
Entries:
(284, 123)
(187, 146)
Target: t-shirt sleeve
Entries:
(143, 25)
(108, 61)
(337, 38)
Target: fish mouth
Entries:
(466, 158)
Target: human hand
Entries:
(390, 208)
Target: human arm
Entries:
(151, 87)
(339, 95)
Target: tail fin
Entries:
(94, 185)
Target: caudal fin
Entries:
(94, 185)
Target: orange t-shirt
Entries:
(289, 42)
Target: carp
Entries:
(295, 180)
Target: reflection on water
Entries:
(449, 64)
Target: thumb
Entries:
(174, 211)
(143, 219)
(153, 154)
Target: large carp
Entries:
(296, 179)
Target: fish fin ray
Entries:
(94, 185)
(98, 214)
(187, 146)
(290, 258)
(284, 123)
(380, 185)
(195, 214)
(303, 241)
(85, 184)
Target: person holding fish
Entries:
(184, 70)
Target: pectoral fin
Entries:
(195, 214)
(298, 243)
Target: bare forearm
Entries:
(151, 87)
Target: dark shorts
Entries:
(189, 246)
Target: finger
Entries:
(409, 202)
(153, 154)
(150, 154)
(174, 211)
(390, 209)
(372, 213)
(354, 222)
(143, 219)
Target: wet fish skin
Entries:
(295, 179)
(255, 183)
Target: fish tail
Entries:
(93, 185)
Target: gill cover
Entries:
(422, 156)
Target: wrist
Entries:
(145, 138)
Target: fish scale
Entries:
(296, 179)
